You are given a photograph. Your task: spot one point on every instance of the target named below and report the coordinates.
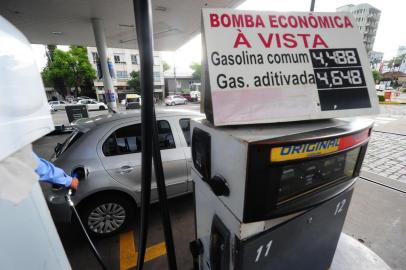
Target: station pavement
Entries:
(377, 216)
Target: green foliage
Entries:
(381, 98)
(376, 75)
(68, 69)
(396, 61)
(134, 82)
(197, 71)
(166, 66)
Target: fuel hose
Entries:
(89, 240)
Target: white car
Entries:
(51, 109)
(58, 105)
(174, 100)
(92, 104)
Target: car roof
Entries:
(85, 124)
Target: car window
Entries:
(185, 126)
(93, 102)
(53, 102)
(127, 140)
(62, 102)
(165, 135)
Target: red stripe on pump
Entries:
(354, 139)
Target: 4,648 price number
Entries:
(339, 77)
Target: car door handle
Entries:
(126, 169)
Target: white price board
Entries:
(267, 67)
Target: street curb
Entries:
(384, 181)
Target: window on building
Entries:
(134, 59)
(122, 74)
(157, 61)
(119, 59)
(127, 140)
(157, 76)
(95, 56)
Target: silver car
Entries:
(105, 151)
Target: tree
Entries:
(68, 69)
(134, 82)
(396, 61)
(376, 75)
(197, 71)
(80, 67)
(166, 66)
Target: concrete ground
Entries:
(376, 216)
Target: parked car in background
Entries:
(58, 105)
(175, 100)
(188, 97)
(195, 95)
(92, 104)
(51, 109)
(132, 101)
(106, 151)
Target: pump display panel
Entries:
(285, 178)
(297, 179)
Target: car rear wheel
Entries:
(106, 215)
(102, 108)
(185, 102)
(173, 103)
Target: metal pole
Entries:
(142, 12)
(101, 45)
(312, 5)
(149, 140)
(163, 201)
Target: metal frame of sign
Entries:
(267, 67)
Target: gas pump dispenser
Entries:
(273, 180)
(274, 196)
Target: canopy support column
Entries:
(101, 45)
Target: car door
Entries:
(178, 100)
(120, 154)
(93, 105)
(85, 102)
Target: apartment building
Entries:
(121, 63)
(367, 18)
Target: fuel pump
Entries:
(265, 194)
(274, 163)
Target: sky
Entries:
(390, 35)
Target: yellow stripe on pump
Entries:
(298, 151)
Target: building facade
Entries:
(367, 18)
(180, 84)
(122, 63)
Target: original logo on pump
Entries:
(290, 152)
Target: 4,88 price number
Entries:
(339, 78)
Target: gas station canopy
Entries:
(68, 22)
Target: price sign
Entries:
(265, 67)
(339, 78)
